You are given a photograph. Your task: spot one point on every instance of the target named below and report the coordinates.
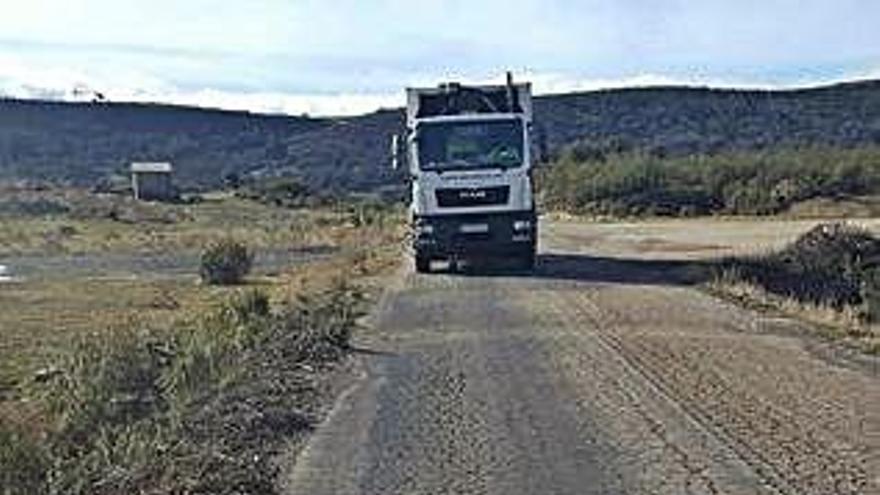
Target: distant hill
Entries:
(82, 143)
(684, 120)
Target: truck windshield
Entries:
(473, 144)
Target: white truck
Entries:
(470, 161)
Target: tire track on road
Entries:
(657, 430)
(754, 428)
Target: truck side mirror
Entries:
(539, 143)
(395, 151)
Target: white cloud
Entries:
(27, 81)
(863, 75)
(282, 103)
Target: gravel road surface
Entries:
(606, 371)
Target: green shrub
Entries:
(322, 323)
(871, 292)
(23, 463)
(111, 379)
(248, 305)
(835, 265)
(148, 412)
(225, 262)
(745, 183)
(285, 192)
(118, 459)
(369, 213)
(105, 399)
(206, 352)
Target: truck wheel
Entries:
(423, 263)
(527, 261)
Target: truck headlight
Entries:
(521, 225)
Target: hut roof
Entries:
(151, 167)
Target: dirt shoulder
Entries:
(803, 410)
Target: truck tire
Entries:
(423, 263)
(527, 260)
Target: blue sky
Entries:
(346, 56)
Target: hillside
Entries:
(685, 120)
(82, 143)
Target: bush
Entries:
(285, 192)
(23, 463)
(835, 265)
(369, 213)
(249, 305)
(871, 293)
(322, 323)
(105, 398)
(150, 412)
(109, 379)
(225, 262)
(745, 183)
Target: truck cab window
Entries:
(466, 145)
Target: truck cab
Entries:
(469, 156)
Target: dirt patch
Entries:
(665, 246)
(828, 208)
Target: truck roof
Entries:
(455, 99)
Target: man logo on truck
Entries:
(472, 193)
(468, 151)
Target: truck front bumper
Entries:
(476, 234)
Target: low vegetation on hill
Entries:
(589, 181)
(90, 143)
(83, 143)
(682, 121)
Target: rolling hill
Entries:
(82, 143)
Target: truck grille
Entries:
(475, 196)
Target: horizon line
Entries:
(96, 97)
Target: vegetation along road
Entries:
(609, 370)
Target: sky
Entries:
(341, 57)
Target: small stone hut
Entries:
(152, 181)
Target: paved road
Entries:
(598, 374)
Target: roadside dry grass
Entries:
(38, 316)
(830, 208)
(87, 223)
(154, 371)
